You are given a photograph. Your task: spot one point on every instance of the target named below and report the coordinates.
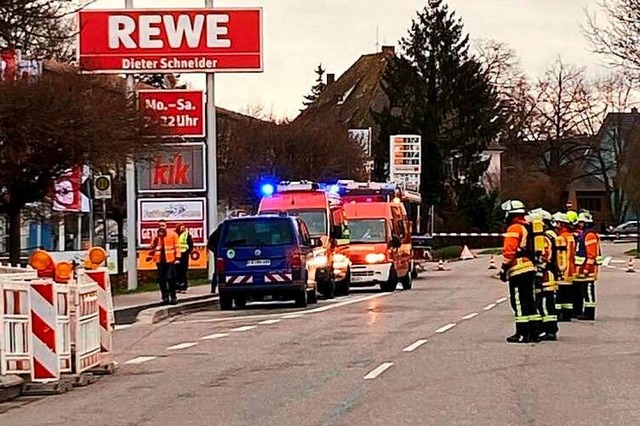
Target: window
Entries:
(258, 233)
(367, 231)
(593, 204)
(304, 233)
(316, 222)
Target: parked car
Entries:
(625, 229)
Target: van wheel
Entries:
(390, 285)
(407, 281)
(328, 288)
(226, 302)
(241, 302)
(312, 296)
(343, 288)
(302, 299)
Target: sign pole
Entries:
(104, 224)
(212, 160)
(132, 249)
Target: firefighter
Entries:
(519, 271)
(576, 288)
(588, 259)
(550, 269)
(564, 300)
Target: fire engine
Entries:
(322, 210)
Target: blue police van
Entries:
(262, 256)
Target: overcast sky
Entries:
(299, 34)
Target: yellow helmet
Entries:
(572, 217)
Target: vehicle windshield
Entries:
(316, 221)
(258, 233)
(367, 231)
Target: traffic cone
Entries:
(492, 263)
(467, 254)
(630, 265)
(440, 265)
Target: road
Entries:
(435, 355)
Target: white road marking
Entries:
(245, 328)
(270, 322)
(214, 336)
(378, 371)
(347, 302)
(415, 345)
(445, 328)
(141, 359)
(607, 260)
(470, 316)
(504, 299)
(292, 316)
(181, 346)
(122, 326)
(489, 307)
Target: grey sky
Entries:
(299, 34)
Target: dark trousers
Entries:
(589, 293)
(167, 280)
(578, 290)
(521, 291)
(564, 302)
(181, 272)
(547, 308)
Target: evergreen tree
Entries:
(438, 90)
(318, 88)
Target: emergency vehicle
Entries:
(322, 211)
(380, 247)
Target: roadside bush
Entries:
(447, 253)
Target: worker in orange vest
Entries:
(564, 301)
(588, 258)
(519, 270)
(165, 249)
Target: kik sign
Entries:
(178, 41)
(180, 112)
(178, 168)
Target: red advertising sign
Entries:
(177, 41)
(181, 112)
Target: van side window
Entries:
(304, 233)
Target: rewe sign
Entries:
(144, 41)
(181, 112)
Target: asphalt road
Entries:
(433, 355)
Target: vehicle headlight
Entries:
(375, 258)
(339, 258)
(320, 261)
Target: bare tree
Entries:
(618, 37)
(39, 28)
(55, 123)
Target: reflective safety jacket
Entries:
(588, 255)
(517, 253)
(185, 243)
(550, 262)
(171, 247)
(571, 255)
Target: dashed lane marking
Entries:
(489, 307)
(415, 345)
(269, 322)
(214, 336)
(470, 316)
(378, 371)
(181, 346)
(504, 299)
(244, 328)
(141, 360)
(292, 316)
(445, 328)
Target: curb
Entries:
(128, 314)
(10, 387)
(157, 314)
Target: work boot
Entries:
(517, 338)
(173, 300)
(550, 337)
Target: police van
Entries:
(265, 256)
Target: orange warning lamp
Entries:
(64, 272)
(96, 258)
(42, 262)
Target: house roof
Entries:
(352, 96)
(626, 122)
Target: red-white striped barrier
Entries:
(63, 324)
(105, 301)
(85, 328)
(46, 364)
(278, 278)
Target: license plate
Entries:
(360, 279)
(266, 262)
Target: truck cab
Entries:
(323, 213)
(380, 248)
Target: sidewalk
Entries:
(135, 300)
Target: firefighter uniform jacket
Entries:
(570, 272)
(517, 256)
(588, 256)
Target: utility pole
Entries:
(132, 247)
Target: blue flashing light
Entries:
(334, 189)
(267, 190)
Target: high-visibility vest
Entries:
(588, 255)
(183, 241)
(517, 255)
(171, 248)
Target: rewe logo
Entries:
(174, 172)
(160, 31)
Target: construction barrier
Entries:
(107, 317)
(85, 322)
(15, 331)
